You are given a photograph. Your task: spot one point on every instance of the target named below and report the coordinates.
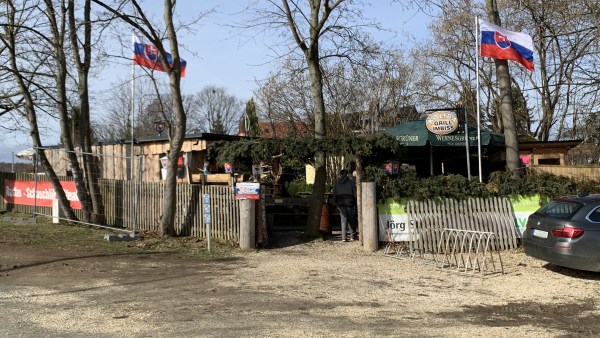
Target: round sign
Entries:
(442, 122)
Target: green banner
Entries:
(525, 203)
(394, 222)
(393, 207)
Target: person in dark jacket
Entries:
(344, 196)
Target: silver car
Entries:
(566, 232)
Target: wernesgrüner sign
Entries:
(456, 140)
(442, 122)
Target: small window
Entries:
(549, 161)
(594, 216)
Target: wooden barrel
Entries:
(325, 226)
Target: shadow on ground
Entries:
(577, 318)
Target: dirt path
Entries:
(321, 289)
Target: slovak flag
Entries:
(146, 55)
(499, 43)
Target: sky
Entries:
(218, 55)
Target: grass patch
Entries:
(74, 237)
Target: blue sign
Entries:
(206, 208)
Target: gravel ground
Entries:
(315, 289)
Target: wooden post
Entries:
(57, 213)
(359, 211)
(247, 224)
(369, 212)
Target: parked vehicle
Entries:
(566, 232)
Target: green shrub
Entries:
(295, 188)
(500, 183)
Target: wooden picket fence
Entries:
(135, 205)
(431, 217)
(138, 205)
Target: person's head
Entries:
(344, 172)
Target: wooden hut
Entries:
(149, 156)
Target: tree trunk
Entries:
(58, 36)
(10, 40)
(316, 89)
(545, 123)
(90, 165)
(506, 107)
(176, 131)
(508, 118)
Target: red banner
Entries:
(24, 193)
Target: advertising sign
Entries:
(442, 122)
(394, 224)
(524, 206)
(247, 191)
(24, 193)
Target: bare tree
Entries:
(446, 64)
(307, 24)
(215, 111)
(21, 41)
(569, 50)
(360, 97)
(318, 29)
(82, 113)
(49, 31)
(149, 108)
(374, 94)
(61, 15)
(176, 130)
(285, 97)
(450, 78)
(115, 124)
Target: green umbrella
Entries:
(415, 134)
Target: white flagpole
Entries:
(478, 110)
(134, 218)
(132, 109)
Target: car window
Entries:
(560, 209)
(594, 216)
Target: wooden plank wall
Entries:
(581, 172)
(126, 202)
(432, 217)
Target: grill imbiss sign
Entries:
(442, 122)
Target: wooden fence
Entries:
(481, 214)
(129, 203)
(591, 172)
